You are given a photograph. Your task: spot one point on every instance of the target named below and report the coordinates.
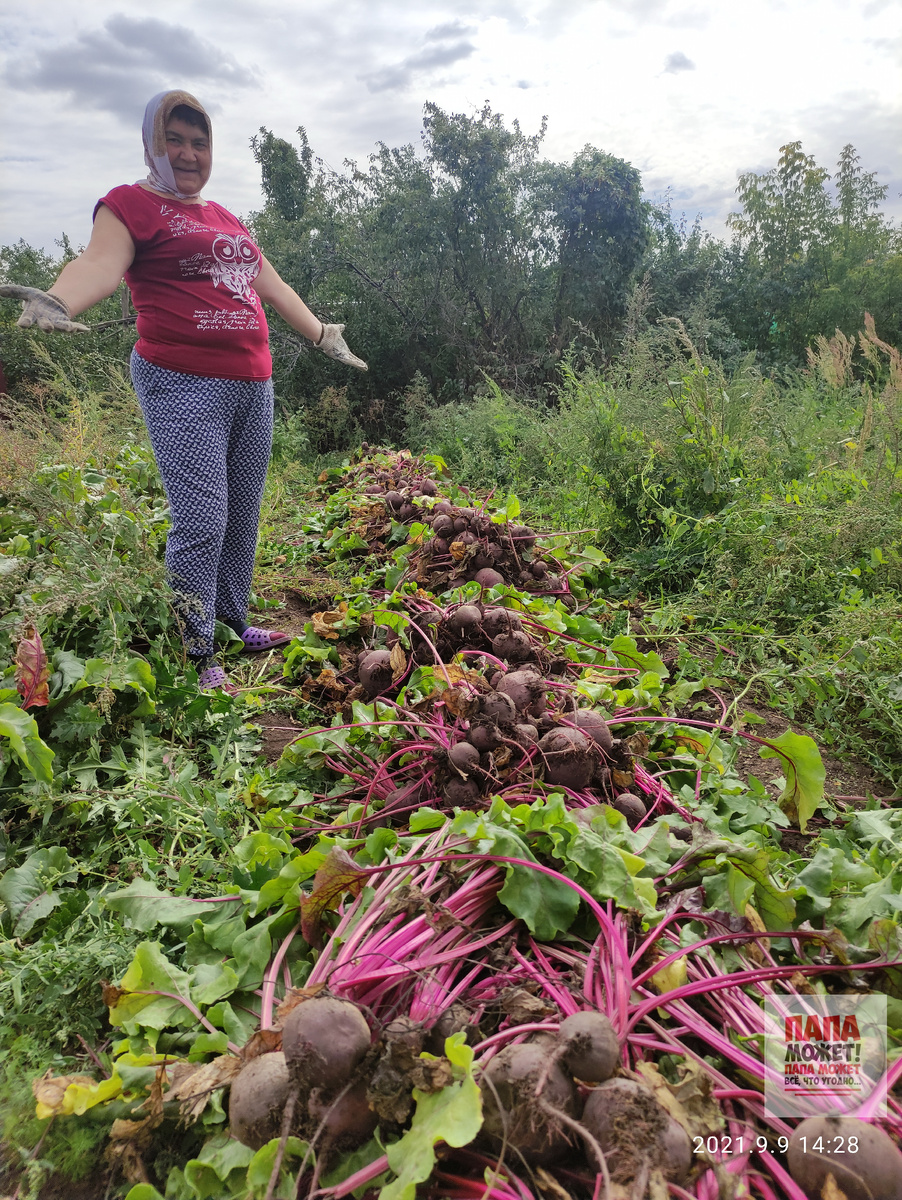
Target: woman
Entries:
(201, 367)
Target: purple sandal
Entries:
(214, 679)
(263, 639)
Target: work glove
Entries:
(43, 309)
(334, 346)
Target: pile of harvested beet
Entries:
(466, 544)
(516, 718)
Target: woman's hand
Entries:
(43, 309)
(334, 346)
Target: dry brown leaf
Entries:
(756, 950)
(264, 1041)
(623, 779)
(458, 551)
(547, 1183)
(431, 1074)
(522, 1006)
(691, 1101)
(111, 994)
(328, 679)
(398, 661)
(459, 703)
(324, 622)
(195, 1091)
(638, 744)
(830, 1189)
(802, 984)
(294, 997)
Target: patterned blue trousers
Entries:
(212, 439)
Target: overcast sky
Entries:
(691, 93)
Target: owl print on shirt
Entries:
(233, 262)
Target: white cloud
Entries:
(677, 62)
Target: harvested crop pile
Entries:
(505, 923)
(454, 544)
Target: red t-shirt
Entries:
(191, 285)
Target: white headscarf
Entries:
(153, 131)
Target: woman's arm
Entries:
(98, 270)
(272, 289)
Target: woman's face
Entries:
(189, 153)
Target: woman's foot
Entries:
(256, 639)
(214, 679)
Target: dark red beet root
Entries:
(634, 1131)
(594, 725)
(375, 672)
(443, 526)
(394, 500)
(526, 735)
(349, 1119)
(464, 756)
(523, 687)
(428, 488)
(488, 577)
(324, 1039)
(537, 569)
(407, 1032)
(461, 793)
(485, 736)
(590, 1047)
(510, 1107)
(257, 1098)
(465, 618)
(631, 807)
(444, 508)
(514, 646)
(499, 620)
(453, 1020)
(498, 707)
(568, 762)
(874, 1172)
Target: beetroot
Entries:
(443, 526)
(443, 508)
(482, 560)
(428, 488)
(256, 1100)
(453, 1020)
(499, 620)
(349, 1120)
(498, 707)
(537, 569)
(461, 524)
(461, 793)
(526, 735)
(439, 545)
(465, 618)
(594, 724)
(485, 736)
(524, 688)
(634, 1131)
(488, 577)
(464, 756)
(324, 1039)
(873, 1172)
(631, 807)
(567, 759)
(375, 672)
(406, 512)
(406, 1032)
(589, 1046)
(514, 646)
(394, 500)
(512, 1113)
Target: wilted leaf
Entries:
(691, 1101)
(429, 1074)
(458, 551)
(623, 779)
(50, 1091)
(338, 874)
(194, 1092)
(294, 997)
(398, 662)
(264, 1041)
(324, 622)
(32, 670)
